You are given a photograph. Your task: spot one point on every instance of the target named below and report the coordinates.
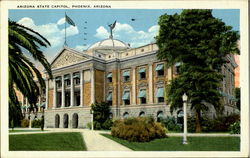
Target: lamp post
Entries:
(184, 98)
(92, 119)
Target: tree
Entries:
(21, 70)
(237, 96)
(199, 42)
(101, 115)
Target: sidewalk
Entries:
(93, 140)
(205, 134)
(96, 142)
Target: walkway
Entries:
(96, 142)
(93, 140)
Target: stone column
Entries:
(150, 85)
(119, 90)
(134, 86)
(63, 93)
(81, 88)
(54, 96)
(71, 90)
(92, 85)
(26, 104)
(170, 74)
(47, 94)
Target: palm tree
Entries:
(21, 70)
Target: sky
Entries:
(91, 25)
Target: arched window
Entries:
(125, 115)
(142, 113)
(75, 120)
(57, 121)
(159, 116)
(111, 115)
(65, 121)
(180, 117)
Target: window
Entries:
(142, 96)
(109, 77)
(126, 76)
(180, 115)
(142, 73)
(160, 70)
(109, 98)
(58, 82)
(142, 113)
(126, 98)
(177, 67)
(67, 80)
(159, 116)
(125, 115)
(160, 95)
(76, 77)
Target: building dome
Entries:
(109, 44)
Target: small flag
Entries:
(69, 21)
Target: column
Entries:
(134, 85)
(81, 88)
(170, 74)
(71, 90)
(22, 103)
(39, 103)
(92, 85)
(63, 93)
(47, 94)
(26, 105)
(54, 95)
(150, 81)
(118, 91)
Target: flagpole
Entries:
(65, 43)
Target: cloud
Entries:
(51, 31)
(101, 33)
(61, 21)
(81, 48)
(128, 34)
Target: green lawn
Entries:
(10, 131)
(175, 144)
(70, 141)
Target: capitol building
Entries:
(131, 80)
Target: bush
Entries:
(235, 128)
(36, 123)
(171, 124)
(89, 125)
(101, 115)
(140, 129)
(107, 124)
(220, 124)
(97, 125)
(25, 123)
(42, 123)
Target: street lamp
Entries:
(184, 98)
(92, 119)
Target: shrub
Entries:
(25, 123)
(89, 125)
(235, 128)
(42, 123)
(36, 123)
(97, 125)
(12, 124)
(101, 115)
(107, 124)
(140, 129)
(220, 124)
(171, 124)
